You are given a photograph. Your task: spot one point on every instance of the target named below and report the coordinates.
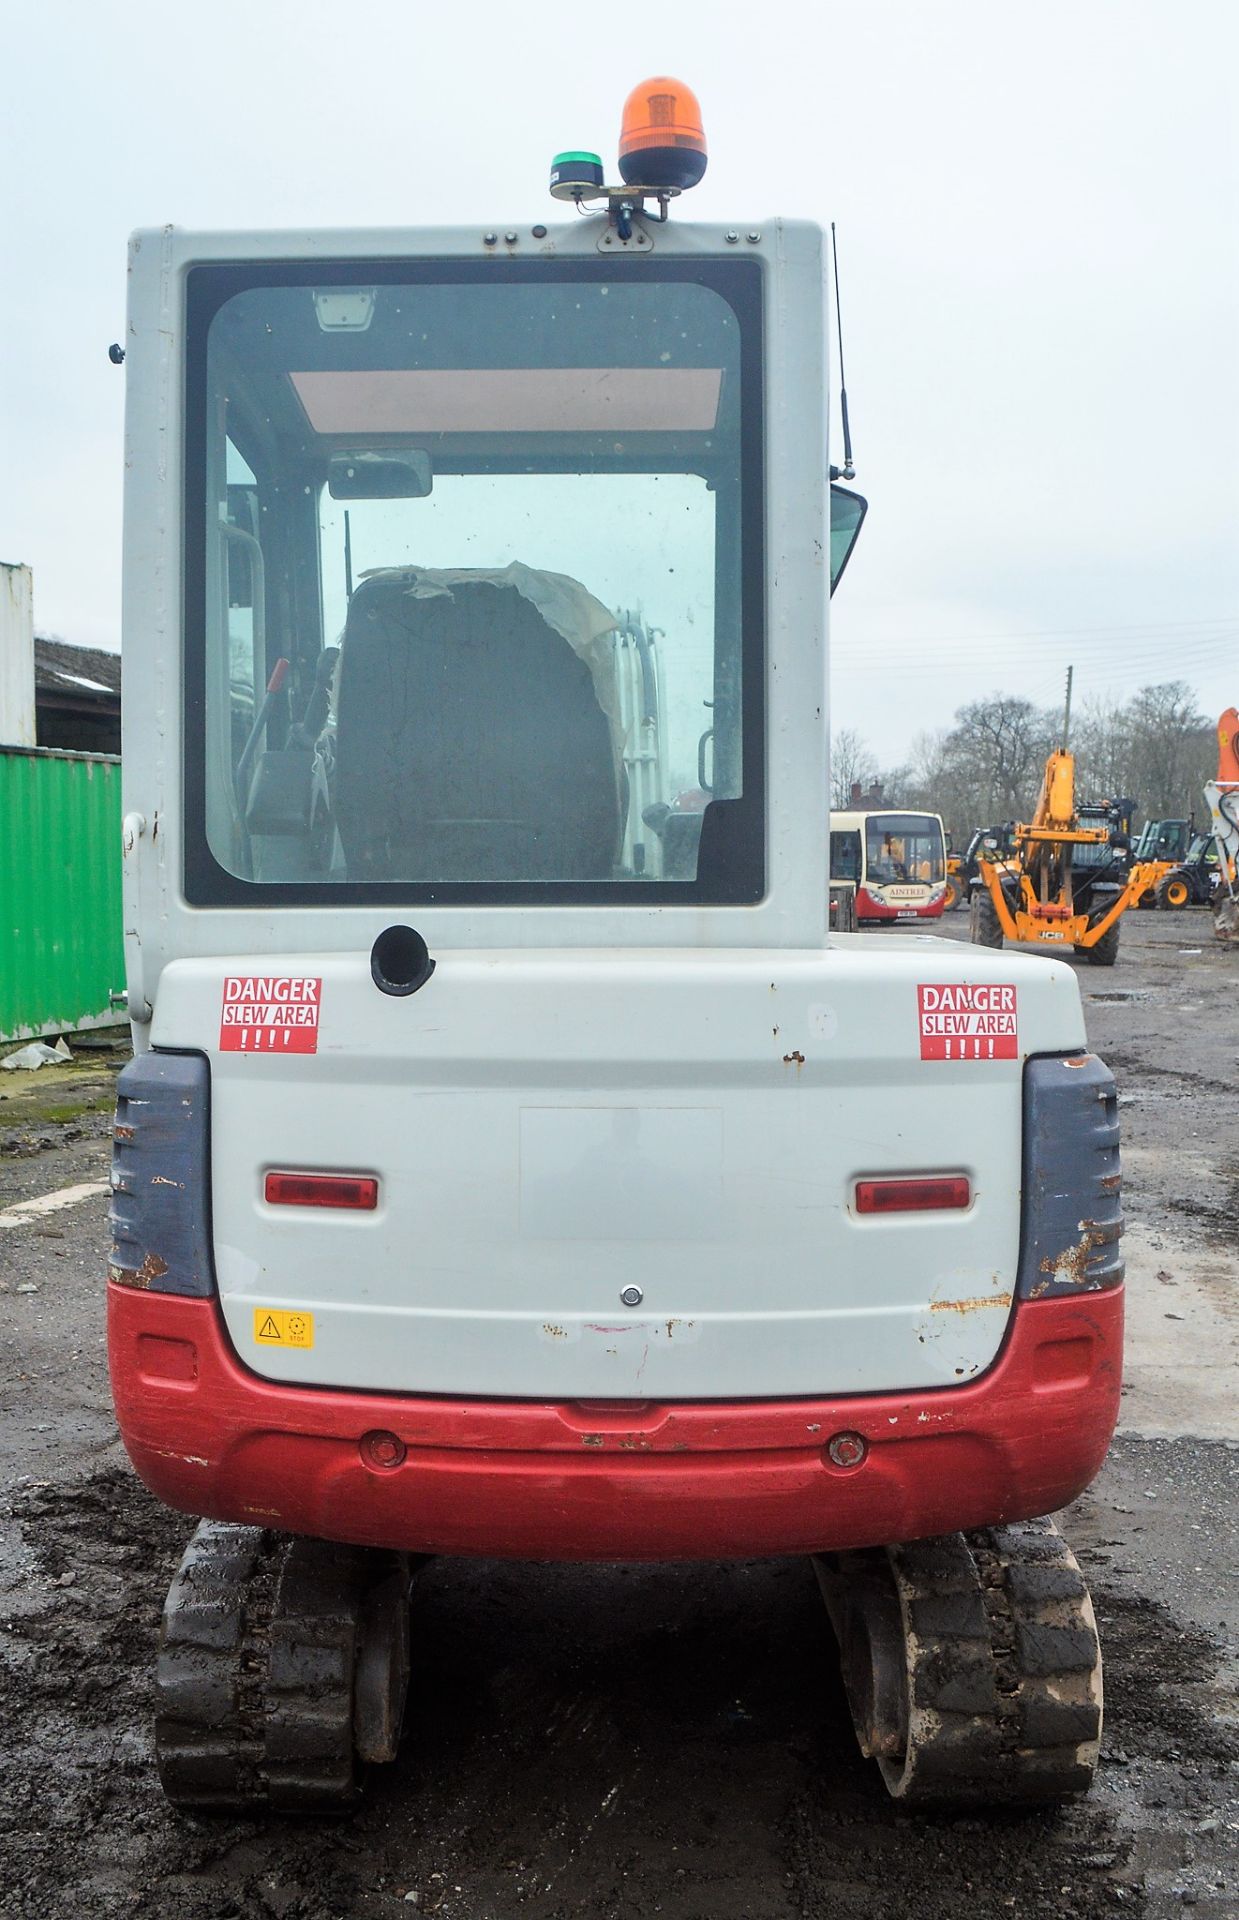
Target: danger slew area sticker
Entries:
(262, 1014)
(968, 1023)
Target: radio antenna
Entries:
(848, 471)
(348, 557)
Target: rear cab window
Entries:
(474, 595)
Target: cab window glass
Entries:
(845, 855)
(473, 610)
(901, 848)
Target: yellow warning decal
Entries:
(273, 1327)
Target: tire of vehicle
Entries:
(951, 895)
(1106, 950)
(1173, 890)
(984, 926)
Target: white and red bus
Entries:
(896, 861)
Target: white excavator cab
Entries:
(406, 907)
(512, 1162)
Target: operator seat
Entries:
(470, 745)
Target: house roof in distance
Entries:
(87, 675)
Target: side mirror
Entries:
(847, 511)
(385, 475)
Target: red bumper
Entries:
(575, 1481)
(867, 908)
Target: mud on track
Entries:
(633, 1741)
(584, 1741)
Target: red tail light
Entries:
(321, 1190)
(913, 1196)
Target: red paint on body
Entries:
(658, 1481)
(867, 908)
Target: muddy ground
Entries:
(653, 1740)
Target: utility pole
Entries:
(1067, 711)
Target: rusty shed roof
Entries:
(87, 674)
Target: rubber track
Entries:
(255, 1673)
(1003, 1670)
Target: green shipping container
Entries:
(61, 950)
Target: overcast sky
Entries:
(1038, 212)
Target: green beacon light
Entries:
(576, 176)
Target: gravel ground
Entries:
(645, 1740)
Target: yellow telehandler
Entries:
(1068, 879)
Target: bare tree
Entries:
(1171, 750)
(896, 784)
(1101, 739)
(851, 763)
(994, 754)
(1156, 748)
(927, 767)
(934, 783)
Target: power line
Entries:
(929, 655)
(1151, 644)
(1144, 626)
(922, 682)
(1211, 647)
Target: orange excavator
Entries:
(1068, 880)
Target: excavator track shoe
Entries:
(971, 1665)
(283, 1667)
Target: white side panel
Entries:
(549, 1130)
(628, 1173)
(17, 718)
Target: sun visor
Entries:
(494, 400)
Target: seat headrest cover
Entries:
(568, 608)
